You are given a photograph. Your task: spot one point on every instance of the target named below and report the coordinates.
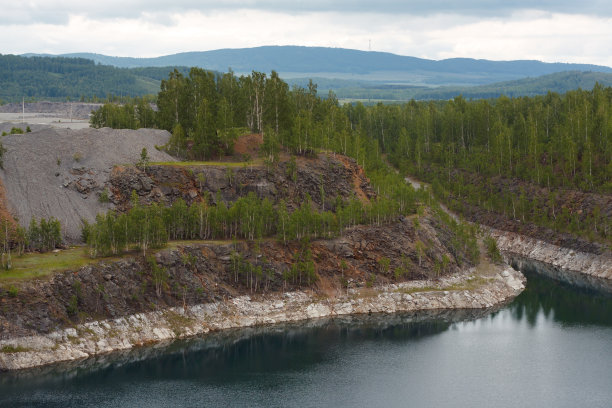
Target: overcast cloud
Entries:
(562, 30)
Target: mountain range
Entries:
(339, 63)
(350, 74)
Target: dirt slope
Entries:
(60, 172)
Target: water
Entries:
(552, 347)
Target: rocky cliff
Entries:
(323, 179)
(102, 336)
(579, 268)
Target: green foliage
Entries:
(2, 151)
(73, 305)
(13, 349)
(58, 78)
(492, 249)
(474, 152)
(16, 131)
(114, 116)
(144, 161)
(248, 218)
(303, 268)
(13, 291)
(384, 264)
(104, 196)
(113, 233)
(177, 145)
(292, 169)
(44, 235)
(158, 274)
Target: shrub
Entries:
(13, 291)
(104, 197)
(492, 249)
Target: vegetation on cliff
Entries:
(521, 158)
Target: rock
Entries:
(147, 184)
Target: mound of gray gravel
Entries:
(60, 173)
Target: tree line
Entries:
(42, 236)
(61, 78)
(552, 142)
(249, 217)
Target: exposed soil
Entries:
(248, 145)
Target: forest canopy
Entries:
(551, 142)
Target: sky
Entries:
(551, 31)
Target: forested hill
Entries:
(60, 78)
(560, 82)
(73, 77)
(342, 63)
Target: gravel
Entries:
(75, 110)
(54, 172)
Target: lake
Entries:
(551, 347)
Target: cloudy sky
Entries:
(550, 30)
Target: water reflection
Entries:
(219, 356)
(562, 303)
(359, 360)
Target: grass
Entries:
(13, 349)
(470, 284)
(409, 291)
(177, 321)
(37, 265)
(176, 244)
(254, 162)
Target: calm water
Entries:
(552, 347)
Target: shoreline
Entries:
(466, 290)
(578, 268)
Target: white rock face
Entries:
(99, 337)
(578, 268)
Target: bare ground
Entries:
(61, 172)
(74, 110)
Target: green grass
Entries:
(176, 244)
(409, 291)
(255, 162)
(470, 284)
(13, 349)
(37, 265)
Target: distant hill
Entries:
(60, 77)
(72, 77)
(340, 63)
(560, 82)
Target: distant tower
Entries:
(23, 109)
(369, 45)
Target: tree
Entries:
(144, 161)
(420, 250)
